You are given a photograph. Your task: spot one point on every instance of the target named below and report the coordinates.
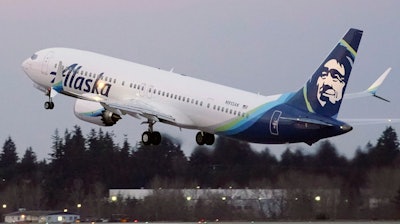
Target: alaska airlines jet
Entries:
(107, 88)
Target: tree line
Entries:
(82, 167)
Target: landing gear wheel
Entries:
(48, 105)
(200, 138)
(151, 138)
(156, 138)
(146, 138)
(210, 138)
(204, 138)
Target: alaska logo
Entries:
(331, 83)
(81, 83)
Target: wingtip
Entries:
(374, 87)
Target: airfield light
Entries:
(4, 205)
(188, 198)
(79, 205)
(223, 198)
(114, 198)
(317, 198)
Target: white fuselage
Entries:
(193, 103)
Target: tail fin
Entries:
(323, 93)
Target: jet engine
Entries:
(95, 113)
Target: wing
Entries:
(371, 91)
(136, 108)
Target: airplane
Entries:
(107, 88)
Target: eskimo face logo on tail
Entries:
(74, 81)
(331, 83)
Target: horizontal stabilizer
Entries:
(368, 121)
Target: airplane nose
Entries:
(26, 65)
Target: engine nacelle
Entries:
(95, 113)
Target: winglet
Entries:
(374, 87)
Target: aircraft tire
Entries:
(146, 138)
(200, 138)
(155, 138)
(48, 105)
(209, 138)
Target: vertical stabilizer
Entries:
(323, 93)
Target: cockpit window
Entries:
(34, 56)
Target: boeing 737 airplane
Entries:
(107, 88)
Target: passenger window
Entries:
(123, 82)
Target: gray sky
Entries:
(261, 46)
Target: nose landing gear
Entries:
(49, 105)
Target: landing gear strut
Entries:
(204, 138)
(151, 137)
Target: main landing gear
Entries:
(151, 137)
(204, 138)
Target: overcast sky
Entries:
(262, 46)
